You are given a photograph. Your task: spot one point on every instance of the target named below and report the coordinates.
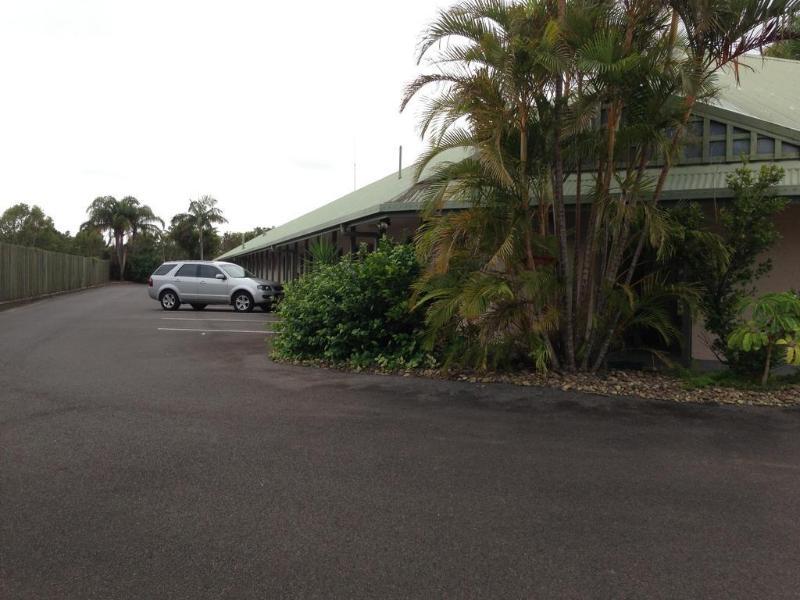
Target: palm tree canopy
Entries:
(121, 217)
(537, 89)
(141, 217)
(718, 32)
(102, 214)
(205, 211)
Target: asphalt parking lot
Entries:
(146, 454)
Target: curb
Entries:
(9, 304)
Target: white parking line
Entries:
(213, 319)
(215, 330)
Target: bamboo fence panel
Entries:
(30, 272)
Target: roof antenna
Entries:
(400, 163)
(354, 164)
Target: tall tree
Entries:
(206, 215)
(123, 220)
(90, 242)
(715, 34)
(494, 65)
(184, 236)
(234, 239)
(534, 89)
(30, 226)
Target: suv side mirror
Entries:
(220, 276)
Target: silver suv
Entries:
(201, 283)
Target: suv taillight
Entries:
(150, 282)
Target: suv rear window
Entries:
(187, 271)
(164, 269)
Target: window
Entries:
(188, 270)
(740, 132)
(716, 149)
(718, 128)
(236, 271)
(695, 128)
(765, 145)
(741, 147)
(207, 271)
(790, 149)
(692, 151)
(164, 269)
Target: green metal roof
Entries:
(702, 181)
(769, 97)
(381, 196)
(769, 91)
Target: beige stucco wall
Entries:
(785, 274)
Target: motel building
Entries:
(758, 119)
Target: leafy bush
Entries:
(774, 326)
(488, 320)
(321, 252)
(144, 256)
(727, 265)
(355, 311)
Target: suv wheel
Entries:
(169, 300)
(242, 302)
(198, 306)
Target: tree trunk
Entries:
(124, 261)
(605, 174)
(201, 242)
(576, 290)
(642, 237)
(118, 247)
(603, 190)
(560, 215)
(621, 237)
(662, 178)
(767, 366)
(586, 281)
(564, 264)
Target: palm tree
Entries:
(206, 214)
(789, 48)
(715, 33)
(536, 89)
(142, 221)
(493, 68)
(103, 218)
(122, 220)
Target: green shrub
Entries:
(727, 265)
(774, 327)
(321, 252)
(144, 257)
(354, 311)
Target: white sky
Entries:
(259, 104)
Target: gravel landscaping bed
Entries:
(653, 386)
(642, 384)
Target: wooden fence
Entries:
(31, 272)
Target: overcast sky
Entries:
(259, 104)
